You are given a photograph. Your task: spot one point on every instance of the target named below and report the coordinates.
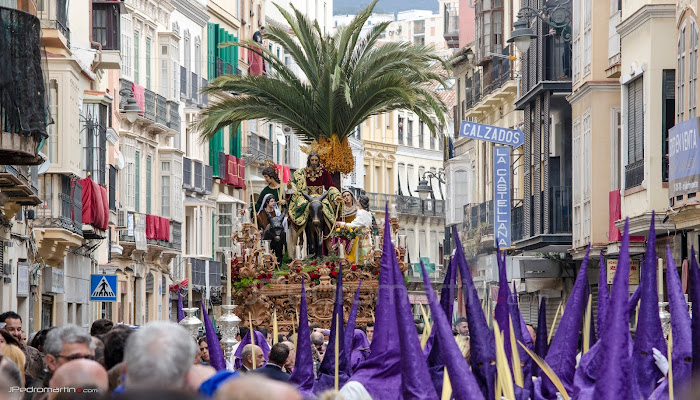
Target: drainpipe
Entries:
(99, 48)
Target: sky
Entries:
(385, 6)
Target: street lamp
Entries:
(131, 108)
(424, 188)
(555, 13)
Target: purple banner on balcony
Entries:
(495, 134)
(501, 196)
(684, 158)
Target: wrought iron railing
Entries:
(407, 204)
(161, 110)
(634, 174)
(62, 208)
(55, 12)
(175, 234)
(219, 67)
(174, 115)
(150, 105)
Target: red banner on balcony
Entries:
(151, 227)
(140, 95)
(256, 63)
(157, 228)
(95, 204)
(615, 207)
(231, 170)
(164, 231)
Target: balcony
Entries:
(23, 117)
(150, 105)
(19, 183)
(208, 179)
(106, 18)
(59, 219)
(194, 93)
(161, 110)
(174, 116)
(183, 82)
(135, 236)
(204, 98)
(558, 235)
(614, 69)
(407, 205)
(219, 67)
(634, 174)
(260, 148)
(54, 22)
(187, 174)
(451, 34)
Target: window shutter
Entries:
(137, 182)
(235, 55)
(137, 77)
(216, 145)
(149, 185)
(211, 49)
(639, 119)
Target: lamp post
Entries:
(555, 13)
(425, 188)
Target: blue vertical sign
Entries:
(501, 196)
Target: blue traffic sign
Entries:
(103, 287)
(495, 134)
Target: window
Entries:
(128, 177)
(149, 185)
(693, 72)
(188, 64)
(105, 25)
(489, 27)
(95, 128)
(587, 36)
(52, 129)
(164, 62)
(126, 46)
(421, 132)
(680, 76)
(634, 170)
(576, 38)
(225, 221)
(148, 63)
(615, 138)
(176, 190)
(668, 113)
(409, 133)
(576, 155)
(174, 61)
(112, 187)
(400, 129)
(137, 182)
(432, 138)
(165, 189)
(137, 75)
(586, 178)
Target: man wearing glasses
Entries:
(65, 344)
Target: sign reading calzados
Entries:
(684, 158)
(490, 133)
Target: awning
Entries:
(255, 178)
(224, 198)
(280, 137)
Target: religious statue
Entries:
(314, 203)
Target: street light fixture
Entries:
(424, 188)
(131, 109)
(555, 13)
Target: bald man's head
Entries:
(252, 387)
(317, 339)
(81, 373)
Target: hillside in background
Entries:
(384, 6)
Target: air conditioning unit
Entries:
(287, 129)
(121, 218)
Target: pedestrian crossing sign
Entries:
(103, 287)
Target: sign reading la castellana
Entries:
(507, 139)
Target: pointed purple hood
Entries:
(216, 355)
(436, 363)
(695, 299)
(260, 341)
(541, 345)
(634, 299)
(303, 375)
(614, 382)
(350, 326)
(381, 372)
(649, 332)
(680, 324)
(603, 294)
(521, 335)
(326, 372)
(482, 346)
(180, 311)
(503, 306)
(415, 377)
(564, 347)
(464, 386)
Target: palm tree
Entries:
(347, 78)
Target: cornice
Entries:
(644, 14)
(192, 10)
(591, 87)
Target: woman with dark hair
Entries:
(272, 188)
(6, 338)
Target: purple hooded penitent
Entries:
(603, 295)
(541, 345)
(695, 299)
(680, 325)
(564, 347)
(615, 362)
(216, 355)
(360, 349)
(303, 375)
(415, 377)
(326, 372)
(380, 374)
(260, 341)
(649, 333)
(503, 309)
(464, 386)
(350, 326)
(522, 335)
(180, 311)
(436, 363)
(482, 346)
(634, 299)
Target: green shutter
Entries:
(235, 56)
(136, 58)
(231, 141)
(149, 185)
(211, 50)
(148, 63)
(239, 137)
(216, 144)
(137, 182)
